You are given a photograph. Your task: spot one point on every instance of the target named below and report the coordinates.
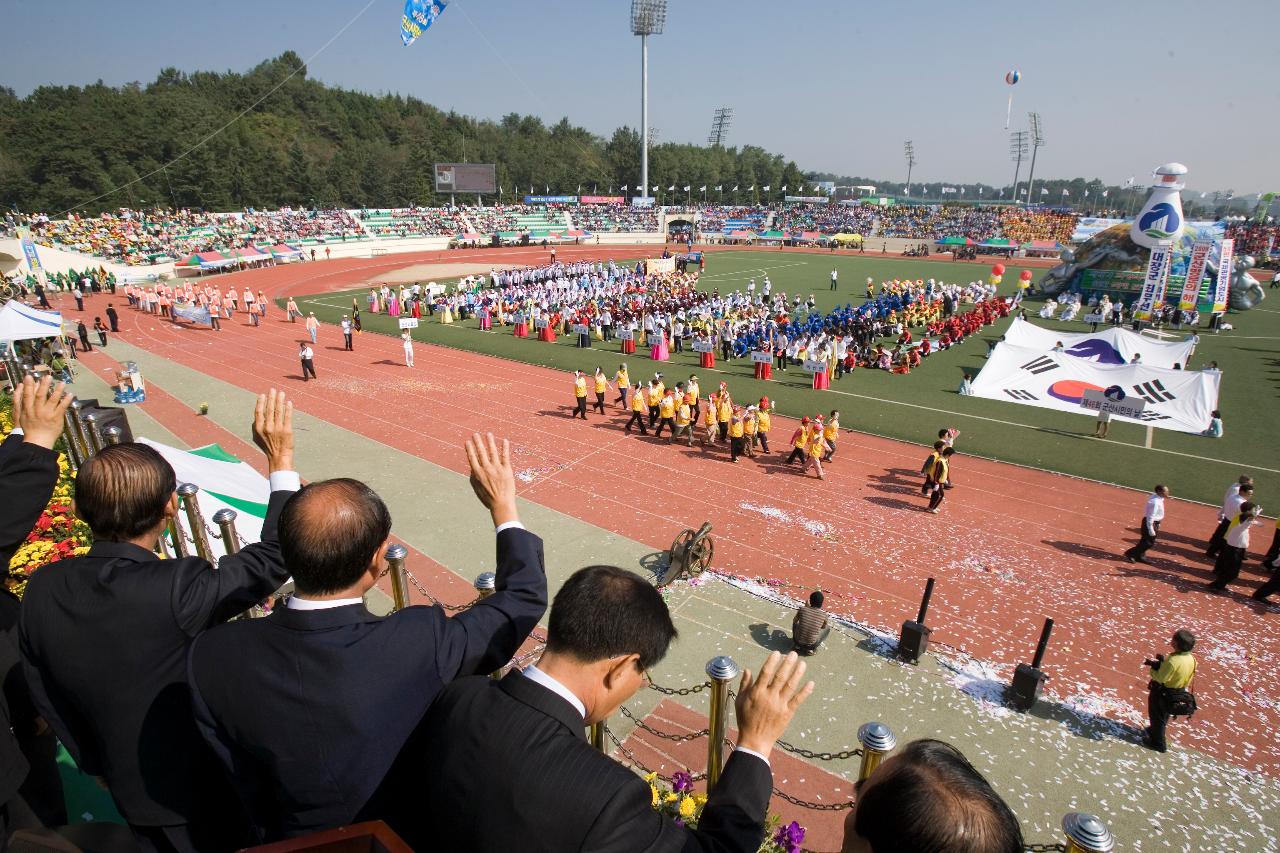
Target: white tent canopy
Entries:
(20, 323)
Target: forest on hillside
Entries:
(98, 147)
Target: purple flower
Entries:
(681, 782)
(679, 822)
(789, 837)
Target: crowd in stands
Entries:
(933, 222)
(288, 225)
(215, 735)
(829, 219)
(612, 218)
(414, 222)
(1255, 238)
(500, 217)
(714, 217)
(1022, 226)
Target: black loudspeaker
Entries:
(108, 416)
(1025, 690)
(914, 641)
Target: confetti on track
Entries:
(1011, 547)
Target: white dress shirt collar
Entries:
(534, 674)
(295, 603)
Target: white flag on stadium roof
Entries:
(1129, 182)
(948, 189)
(765, 188)
(784, 187)
(1064, 192)
(735, 187)
(671, 188)
(1104, 193)
(1202, 195)
(1022, 191)
(654, 187)
(626, 187)
(686, 187)
(719, 187)
(703, 188)
(1043, 191)
(1086, 193)
(750, 189)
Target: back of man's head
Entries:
(1184, 640)
(330, 534)
(603, 612)
(815, 598)
(928, 798)
(122, 491)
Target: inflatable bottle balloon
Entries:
(1160, 219)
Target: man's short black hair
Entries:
(604, 611)
(1184, 640)
(122, 491)
(328, 532)
(815, 598)
(934, 801)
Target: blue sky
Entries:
(835, 85)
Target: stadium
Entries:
(949, 447)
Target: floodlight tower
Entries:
(648, 17)
(1037, 140)
(720, 121)
(1017, 150)
(909, 149)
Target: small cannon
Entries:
(690, 554)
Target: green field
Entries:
(914, 407)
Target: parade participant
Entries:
(101, 330)
(941, 472)
(763, 422)
(927, 468)
(693, 389)
(248, 301)
(684, 420)
(724, 411)
(1151, 518)
(1239, 492)
(346, 332)
(1235, 544)
(737, 432)
(817, 446)
(799, 442)
(829, 434)
(623, 378)
(313, 325)
(601, 384)
(306, 356)
(262, 304)
(709, 423)
(749, 428)
(408, 347)
(667, 413)
(653, 397)
(292, 308)
(638, 409)
(580, 394)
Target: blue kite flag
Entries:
(419, 15)
(198, 315)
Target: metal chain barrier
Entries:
(679, 691)
(1045, 848)
(817, 807)
(631, 757)
(641, 724)
(842, 755)
(422, 589)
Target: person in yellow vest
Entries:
(799, 442)
(817, 446)
(684, 416)
(941, 472)
(829, 434)
(624, 384)
(736, 431)
(666, 413)
(580, 394)
(693, 389)
(749, 429)
(709, 422)
(653, 397)
(724, 411)
(927, 468)
(1171, 679)
(638, 409)
(763, 422)
(601, 384)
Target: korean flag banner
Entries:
(419, 15)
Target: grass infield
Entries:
(915, 407)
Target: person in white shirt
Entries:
(346, 331)
(1240, 491)
(1151, 519)
(1235, 545)
(305, 355)
(408, 347)
(835, 274)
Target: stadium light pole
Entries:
(1037, 140)
(1017, 150)
(648, 17)
(909, 149)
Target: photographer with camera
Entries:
(1169, 691)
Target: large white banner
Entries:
(1180, 400)
(225, 483)
(1153, 285)
(1113, 345)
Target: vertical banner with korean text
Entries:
(1195, 272)
(1226, 259)
(1153, 283)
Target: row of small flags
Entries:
(686, 188)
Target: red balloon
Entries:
(998, 269)
(1025, 275)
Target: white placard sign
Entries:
(762, 357)
(704, 345)
(580, 329)
(626, 335)
(408, 322)
(815, 365)
(1114, 401)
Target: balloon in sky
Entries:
(1013, 77)
(418, 16)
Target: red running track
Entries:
(1011, 547)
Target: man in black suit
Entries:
(104, 639)
(310, 707)
(29, 777)
(113, 317)
(504, 765)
